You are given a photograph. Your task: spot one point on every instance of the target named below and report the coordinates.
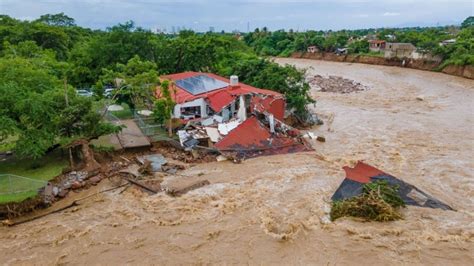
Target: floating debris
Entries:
(336, 84)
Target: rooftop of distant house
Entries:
(377, 41)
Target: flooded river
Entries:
(415, 125)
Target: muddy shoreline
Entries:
(274, 209)
(460, 71)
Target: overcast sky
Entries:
(199, 15)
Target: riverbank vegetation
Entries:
(427, 40)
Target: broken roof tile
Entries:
(251, 139)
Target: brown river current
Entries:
(273, 210)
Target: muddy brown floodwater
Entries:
(273, 210)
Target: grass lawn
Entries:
(160, 133)
(126, 113)
(47, 168)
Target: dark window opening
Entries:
(191, 112)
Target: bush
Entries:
(379, 201)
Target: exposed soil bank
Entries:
(273, 210)
(462, 71)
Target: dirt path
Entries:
(273, 210)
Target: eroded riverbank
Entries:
(273, 210)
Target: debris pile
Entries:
(260, 134)
(335, 84)
(181, 157)
(70, 181)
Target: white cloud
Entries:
(361, 16)
(391, 14)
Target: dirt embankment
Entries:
(461, 71)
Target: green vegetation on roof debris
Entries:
(379, 201)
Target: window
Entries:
(191, 112)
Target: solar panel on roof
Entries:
(200, 84)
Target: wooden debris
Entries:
(132, 169)
(136, 183)
(175, 192)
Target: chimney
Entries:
(234, 81)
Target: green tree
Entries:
(59, 19)
(468, 22)
(361, 46)
(262, 73)
(137, 82)
(38, 111)
(164, 106)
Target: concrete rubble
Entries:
(73, 180)
(156, 160)
(133, 170)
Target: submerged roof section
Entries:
(201, 84)
(361, 173)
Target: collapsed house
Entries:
(237, 119)
(363, 173)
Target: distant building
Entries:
(399, 50)
(377, 45)
(211, 29)
(390, 37)
(312, 49)
(425, 55)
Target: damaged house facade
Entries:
(230, 116)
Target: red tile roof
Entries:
(251, 139)
(275, 106)
(220, 99)
(362, 172)
(180, 95)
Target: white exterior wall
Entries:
(198, 102)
